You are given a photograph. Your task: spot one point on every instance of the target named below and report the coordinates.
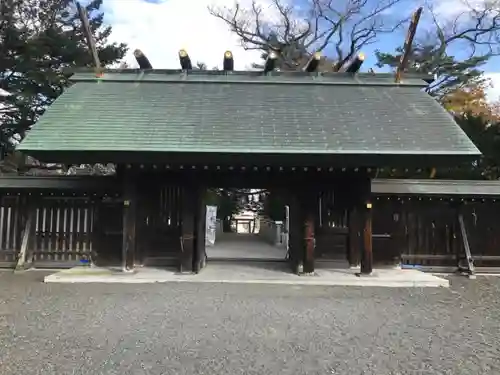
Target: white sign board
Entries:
(211, 225)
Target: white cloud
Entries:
(450, 9)
(161, 29)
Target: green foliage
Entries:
(39, 40)
(224, 200)
(452, 45)
(229, 201)
(486, 137)
(451, 72)
(274, 206)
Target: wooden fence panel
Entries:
(482, 222)
(63, 230)
(428, 227)
(428, 232)
(10, 229)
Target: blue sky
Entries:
(162, 27)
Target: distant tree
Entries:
(39, 39)
(201, 66)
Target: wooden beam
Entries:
(408, 43)
(465, 242)
(24, 261)
(129, 222)
(367, 248)
(82, 13)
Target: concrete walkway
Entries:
(251, 273)
(243, 246)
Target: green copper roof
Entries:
(247, 113)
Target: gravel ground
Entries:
(247, 329)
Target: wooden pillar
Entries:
(129, 221)
(199, 261)
(295, 235)
(367, 248)
(302, 241)
(354, 240)
(310, 243)
(188, 228)
(26, 216)
(309, 203)
(361, 195)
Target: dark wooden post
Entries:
(26, 212)
(310, 244)
(367, 248)
(200, 232)
(129, 221)
(364, 204)
(309, 203)
(188, 228)
(295, 235)
(354, 249)
(302, 241)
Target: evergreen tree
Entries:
(39, 41)
(452, 49)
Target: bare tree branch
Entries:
(474, 27)
(294, 34)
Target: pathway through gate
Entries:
(241, 246)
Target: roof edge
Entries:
(471, 153)
(438, 182)
(175, 75)
(436, 187)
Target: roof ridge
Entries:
(248, 77)
(252, 73)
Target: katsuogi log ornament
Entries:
(355, 64)
(270, 63)
(228, 63)
(142, 60)
(185, 60)
(313, 63)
